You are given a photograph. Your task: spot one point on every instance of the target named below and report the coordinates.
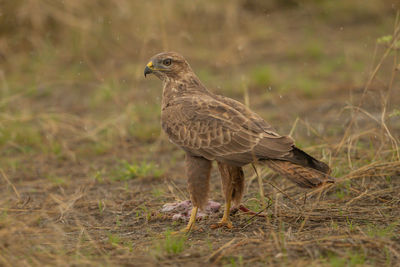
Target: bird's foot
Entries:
(191, 224)
(223, 223)
(185, 230)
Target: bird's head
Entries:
(167, 65)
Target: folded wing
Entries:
(210, 128)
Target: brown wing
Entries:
(254, 117)
(296, 155)
(206, 127)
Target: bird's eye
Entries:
(167, 62)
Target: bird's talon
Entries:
(222, 223)
(186, 230)
(180, 232)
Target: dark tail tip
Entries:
(308, 161)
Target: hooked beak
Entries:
(148, 69)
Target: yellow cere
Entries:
(150, 64)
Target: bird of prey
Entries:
(211, 127)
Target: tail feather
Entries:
(302, 176)
(300, 157)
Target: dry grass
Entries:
(84, 168)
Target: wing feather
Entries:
(208, 127)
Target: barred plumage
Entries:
(305, 177)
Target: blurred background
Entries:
(71, 72)
(75, 107)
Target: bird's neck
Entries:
(189, 85)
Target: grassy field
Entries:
(85, 168)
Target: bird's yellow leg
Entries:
(192, 220)
(225, 218)
(225, 221)
(190, 224)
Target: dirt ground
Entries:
(85, 168)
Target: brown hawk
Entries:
(212, 127)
